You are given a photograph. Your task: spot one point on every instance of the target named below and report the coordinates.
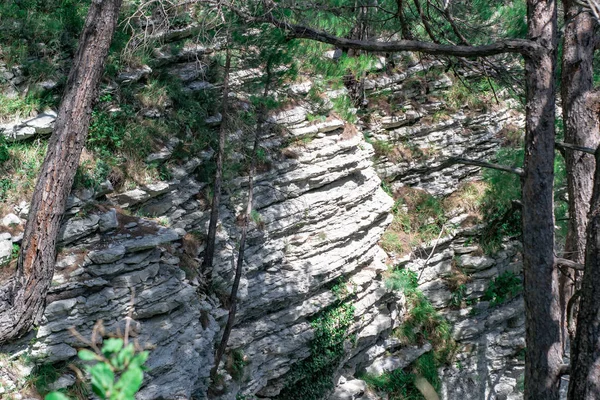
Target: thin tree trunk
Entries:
(242, 248)
(543, 353)
(35, 266)
(581, 129)
(584, 381)
(214, 212)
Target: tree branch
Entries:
(565, 369)
(563, 262)
(569, 146)
(485, 164)
(518, 46)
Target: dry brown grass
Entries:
(468, 197)
(349, 132)
(511, 135)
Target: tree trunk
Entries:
(584, 382)
(260, 124)
(582, 129)
(209, 254)
(35, 266)
(542, 308)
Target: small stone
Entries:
(108, 221)
(23, 209)
(43, 123)
(63, 382)
(11, 220)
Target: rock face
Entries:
(490, 338)
(318, 215)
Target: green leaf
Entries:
(103, 379)
(112, 345)
(124, 357)
(130, 382)
(87, 355)
(56, 396)
(139, 359)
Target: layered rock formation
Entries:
(319, 212)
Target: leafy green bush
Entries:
(117, 373)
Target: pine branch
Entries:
(518, 46)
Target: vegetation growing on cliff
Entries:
(312, 377)
(448, 30)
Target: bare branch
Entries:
(569, 146)
(563, 262)
(484, 164)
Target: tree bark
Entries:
(584, 381)
(543, 353)
(35, 266)
(581, 129)
(216, 202)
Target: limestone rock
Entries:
(11, 220)
(6, 248)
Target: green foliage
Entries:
(418, 218)
(311, 378)
(400, 384)
(5, 186)
(458, 296)
(116, 372)
(502, 219)
(236, 362)
(4, 154)
(503, 288)
(343, 106)
(23, 106)
(91, 174)
(27, 23)
(423, 322)
(382, 148)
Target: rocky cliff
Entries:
(319, 214)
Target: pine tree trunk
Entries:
(582, 129)
(35, 266)
(584, 382)
(542, 308)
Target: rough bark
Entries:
(543, 353)
(581, 129)
(584, 381)
(35, 266)
(218, 183)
